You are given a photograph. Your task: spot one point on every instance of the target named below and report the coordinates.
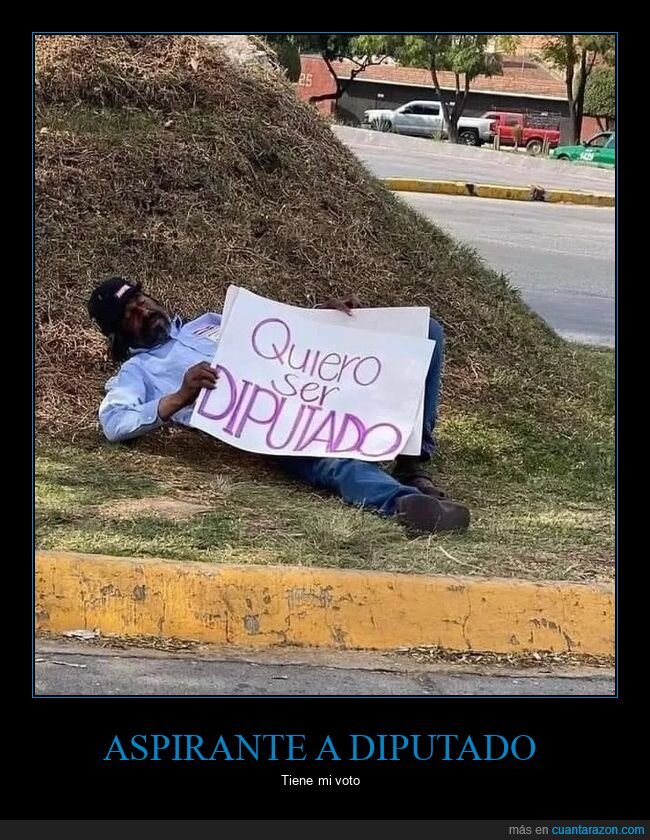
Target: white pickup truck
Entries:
(425, 119)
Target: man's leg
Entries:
(432, 390)
(365, 483)
(356, 482)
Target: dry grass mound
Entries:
(158, 159)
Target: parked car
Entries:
(600, 149)
(425, 119)
(534, 130)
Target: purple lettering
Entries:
(360, 364)
(326, 392)
(287, 377)
(324, 362)
(278, 354)
(315, 362)
(346, 362)
(300, 365)
(392, 448)
(203, 411)
(233, 417)
(310, 386)
(247, 414)
(328, 421)
(296, 423)
(312, 409)
(349, 419)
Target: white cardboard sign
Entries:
(317, 383)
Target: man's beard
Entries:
(154, 330)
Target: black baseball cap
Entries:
(108, 302)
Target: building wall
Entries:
(315, 79)
(590, 126)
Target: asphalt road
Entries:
(393, 155)
(65, 668)
(561, 257)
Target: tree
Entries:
(576, 56)
(288, 56)
(507, 44)
(466, 56)
(331, 48)
(600, 95)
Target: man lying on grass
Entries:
(164, 364)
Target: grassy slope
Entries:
(541, 509)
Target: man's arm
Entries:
(197, 377)
(126, 413)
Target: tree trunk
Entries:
(579, 96)
(568, 78)
(452, 115)
(585, 72)
(444, 106)
(457, 110)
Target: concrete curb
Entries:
(532, 193)
(261, 606)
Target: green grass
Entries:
(542, 503)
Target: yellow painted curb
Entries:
(532, 193)
(272, 605)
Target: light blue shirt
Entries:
(130, 407)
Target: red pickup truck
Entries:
(533, 131)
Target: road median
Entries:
(509, 193)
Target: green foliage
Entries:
(560, 51)
(600, 95)
(507, 44)
(576, 56)
(329, 46)
(463, 54)
(289, 57)
(602, 45)
(564, 51)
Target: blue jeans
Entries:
(363, 482)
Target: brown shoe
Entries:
(425, 514)
(421, 480)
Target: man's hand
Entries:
(197, 377)
(346, 304)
